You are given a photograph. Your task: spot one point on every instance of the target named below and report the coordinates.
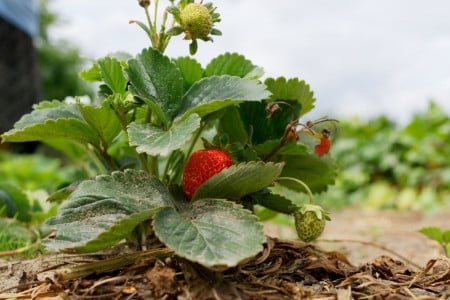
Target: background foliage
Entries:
(384, 165)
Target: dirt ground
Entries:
(394, 230)
(361, 255)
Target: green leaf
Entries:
(102, 119)
(143, 27)
(292, 89)
(113, 74)
(155, 77)
(92, 75)
(101, 212)
(316, 172)
(446, 236)
(154, 140)
(231, 124)
(8, 206)
(213, 232)
(193, 46)
(261, 128)
(190, 69)
(16, 201)
(239, 180)
(63, 121)
(275, 202)
(291, 148)
(434, 233)
(214, 93)
(233, 64)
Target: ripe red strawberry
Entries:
(201, 166)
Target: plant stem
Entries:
(155, 14)
(143, 159)
(95, 159)
(304, 185)
(154, 165)
(152, 30)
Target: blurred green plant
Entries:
(387, 166)
(26, 181)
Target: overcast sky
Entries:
(360, 57)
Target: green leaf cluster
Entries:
(150, 114)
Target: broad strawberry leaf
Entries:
(154, 140)
(212, 232)
(292, 89)
(49, 121)
(215, 93)
(102, 119)
(316, 172)
(190, 69)
(155, 77)
(113, 74)
(101, 212)
(239, 180)
(233, 64)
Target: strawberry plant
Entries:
(181, 151)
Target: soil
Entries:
(361, 255)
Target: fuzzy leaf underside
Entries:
(213, 232)
(217, 92)
(154, 140)
(154, 76)
(71, 129)
(239, 180)
(52, 120)
(101, 212)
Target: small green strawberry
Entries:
(196, 21)
(310, 222)
(202, 165)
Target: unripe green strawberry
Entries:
(196, 21)
(310, 222)
(201, 166)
